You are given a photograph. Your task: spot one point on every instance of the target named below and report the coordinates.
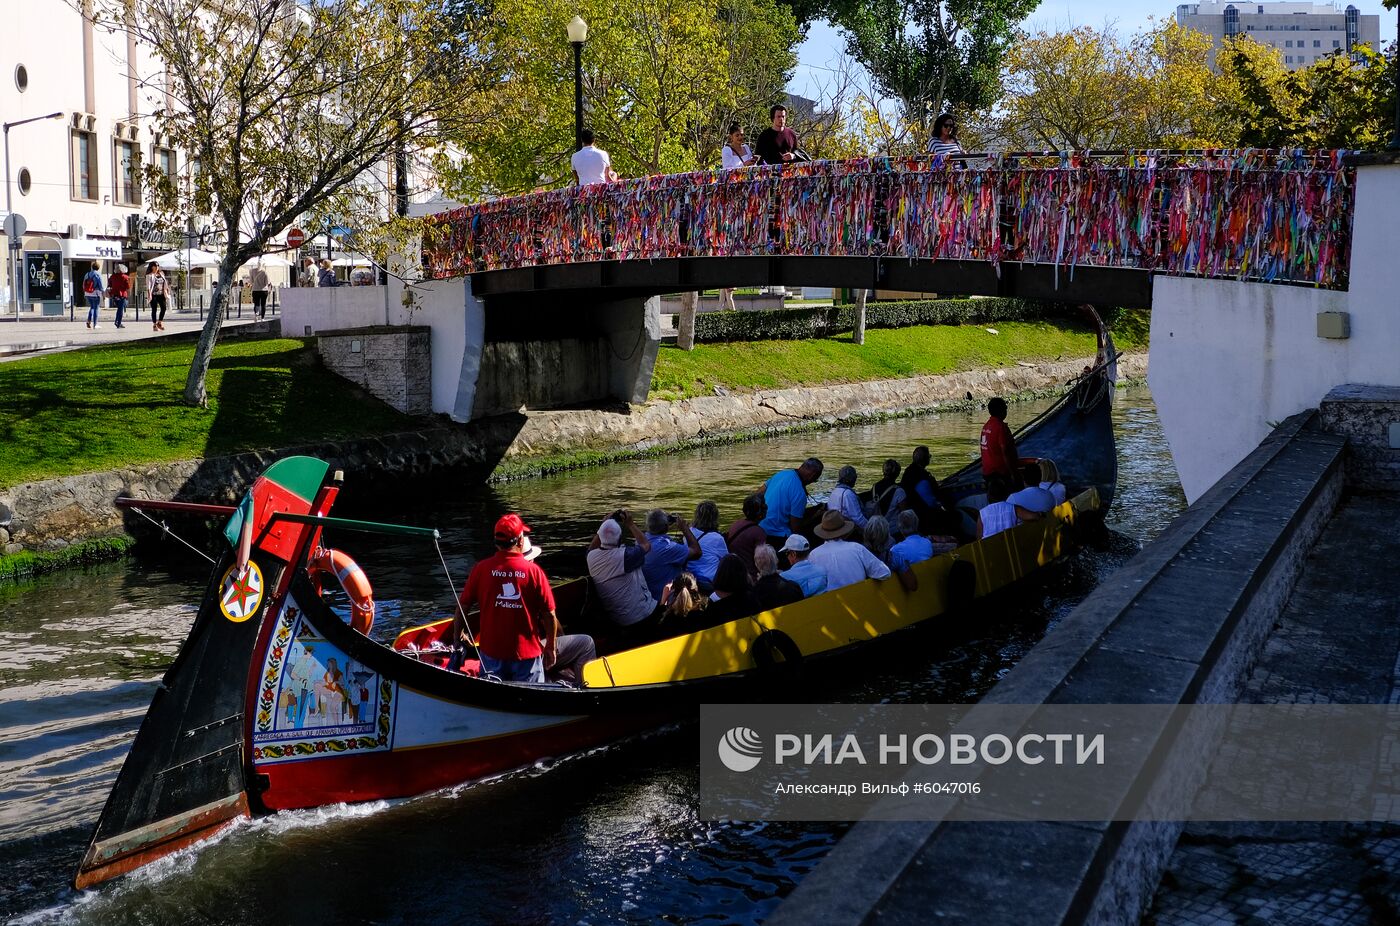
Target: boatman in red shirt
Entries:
(998, 446)
(519, 631)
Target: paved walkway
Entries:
(1338, 643)
(36, 334)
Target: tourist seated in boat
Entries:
(1050, 481)
(920, 495)
(682, 600)
(809, 577)
(845, 563)
(747, 533)
(876, 537)
(843, 498)
(519, 632)
(785, 497)
(1032, 503)
(771, 590)
(705, 530)
(912, 546)
(886, 495)
(616, 571)
(999, 456)
(998, 514)
(667, 558)
(732, 597)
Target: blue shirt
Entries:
(810, 577)
(665, 561)
(786, 497)
(712, 550)
(912, 549)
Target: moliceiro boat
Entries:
(275, 702)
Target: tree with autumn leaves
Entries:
(1085, 88)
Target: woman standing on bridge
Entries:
(945, 137)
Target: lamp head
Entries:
(578, 30)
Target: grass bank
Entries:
(888, 353)
(115, 406)
(27, 564)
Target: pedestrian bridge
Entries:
(1076, 227)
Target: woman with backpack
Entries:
(92, 291)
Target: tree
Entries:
(1341, 101)
(932, 54)
(662, 78)
(1085, 88)
(286, 107)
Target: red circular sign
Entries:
(296, 238)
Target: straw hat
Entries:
(834, 525)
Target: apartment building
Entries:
(1302, 32)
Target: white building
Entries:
(75, 179)
(1302, 32)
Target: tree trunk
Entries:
(195, 393)
(858, 332)
(685, 326)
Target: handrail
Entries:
(1271, 216)
(126, 501)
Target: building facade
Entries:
(76, 178)
(1302, 32)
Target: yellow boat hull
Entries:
(851, 615)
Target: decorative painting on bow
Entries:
(241, 591)
(314, 699)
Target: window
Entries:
(1288, 44)
(126, 164)
(1317, 43)
(1288, 59)
(84, 165)
(1336, 43)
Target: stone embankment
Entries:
(55, 513)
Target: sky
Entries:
(824, 46)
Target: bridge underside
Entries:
(540, 287)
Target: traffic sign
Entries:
(295, 238)
(15, 226)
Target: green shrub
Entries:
(805, 324)
(28, 563)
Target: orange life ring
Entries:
(351, 578)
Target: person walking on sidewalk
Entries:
(258, 281)
(92, 291)
(119, 288)
(158, 288)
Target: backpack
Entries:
(89, 285)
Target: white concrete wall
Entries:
(1227, 359)
(458, 323)
(309, 310)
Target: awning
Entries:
(91, 249)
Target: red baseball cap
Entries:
(510, 526)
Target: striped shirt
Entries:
(937, 147)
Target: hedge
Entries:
(804, 324)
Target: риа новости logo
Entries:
(740, 749)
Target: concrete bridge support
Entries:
(490, 359)
(1230, 360)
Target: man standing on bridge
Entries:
(776, 145)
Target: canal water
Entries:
(607, 837)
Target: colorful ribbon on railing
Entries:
(1272, 216)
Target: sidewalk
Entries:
(40, 334)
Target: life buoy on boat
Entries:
(351, 578)
(774, 648)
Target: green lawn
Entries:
(108, 407)
(888, 353)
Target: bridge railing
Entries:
(1281, 217)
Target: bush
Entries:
(805, 324)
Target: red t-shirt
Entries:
(998, 449)
(515, 600)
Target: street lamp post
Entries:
(578, 34)
(9, 210)
(1395, 139)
